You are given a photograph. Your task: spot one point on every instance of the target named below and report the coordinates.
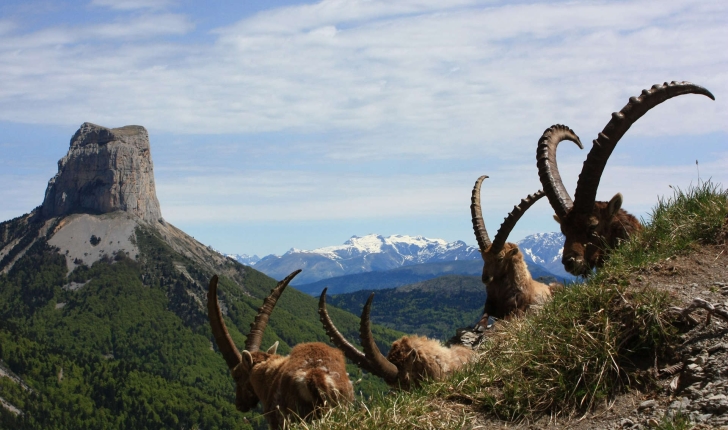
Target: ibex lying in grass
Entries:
(592, 227)
(312, 376)
(511, 289)
(410, 360)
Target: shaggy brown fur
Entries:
(311, 377)
(511, 289)
(410, 360)
(586, 249)
(418, 358)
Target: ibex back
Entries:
(410, 360)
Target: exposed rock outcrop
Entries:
(105, 170)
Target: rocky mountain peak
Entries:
(105, 170)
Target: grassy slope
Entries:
(131, 349)
(584, 347)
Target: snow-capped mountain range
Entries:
(377, 253)
(545, 249)
(248, 260)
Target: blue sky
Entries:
(299, 124)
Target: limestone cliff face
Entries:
(105, 170)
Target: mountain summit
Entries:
(105, 170)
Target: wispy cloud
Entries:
(460, 75)
(132, 4)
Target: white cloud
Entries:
(464, 74)
(132, 4)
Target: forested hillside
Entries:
(125, 344)
(435, 308)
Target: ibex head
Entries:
(499, 256)
(506, 277)
(592, 227)
(410, 360)
(241, 364)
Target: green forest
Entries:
(435, 308)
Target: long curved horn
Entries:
(510, 221)
(591, 173)
(548, 170)
(219, 330)
(481, 234)
(379, 363)
(257, 327)
(338, 339)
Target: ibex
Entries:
(410, 360)
(311, 377)
(592, 227)
(509, 286)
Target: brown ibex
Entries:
(410, 360)
(509, 286)
(592, 227)
(311, 377)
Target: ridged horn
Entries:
(604, 144)
(548, 170)
(481, 234)
(219, 330)
(379, 363)
(510, 221)
(257, 327)
(338, 339)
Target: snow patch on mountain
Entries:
(248, 260)
(545, 249)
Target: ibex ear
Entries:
(615, 204)
(557, 219)
(247, 359)
(273, 348)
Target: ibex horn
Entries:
(481, 234)
(591, 173)
(510, 221)
(338, 339)
(548, 170)
(257, 327)
(379, 363)
(219, 330)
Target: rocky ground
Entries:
(693, 380)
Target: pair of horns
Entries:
(372, 360)
(481, 234)
(219, 330)
(603, 145)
